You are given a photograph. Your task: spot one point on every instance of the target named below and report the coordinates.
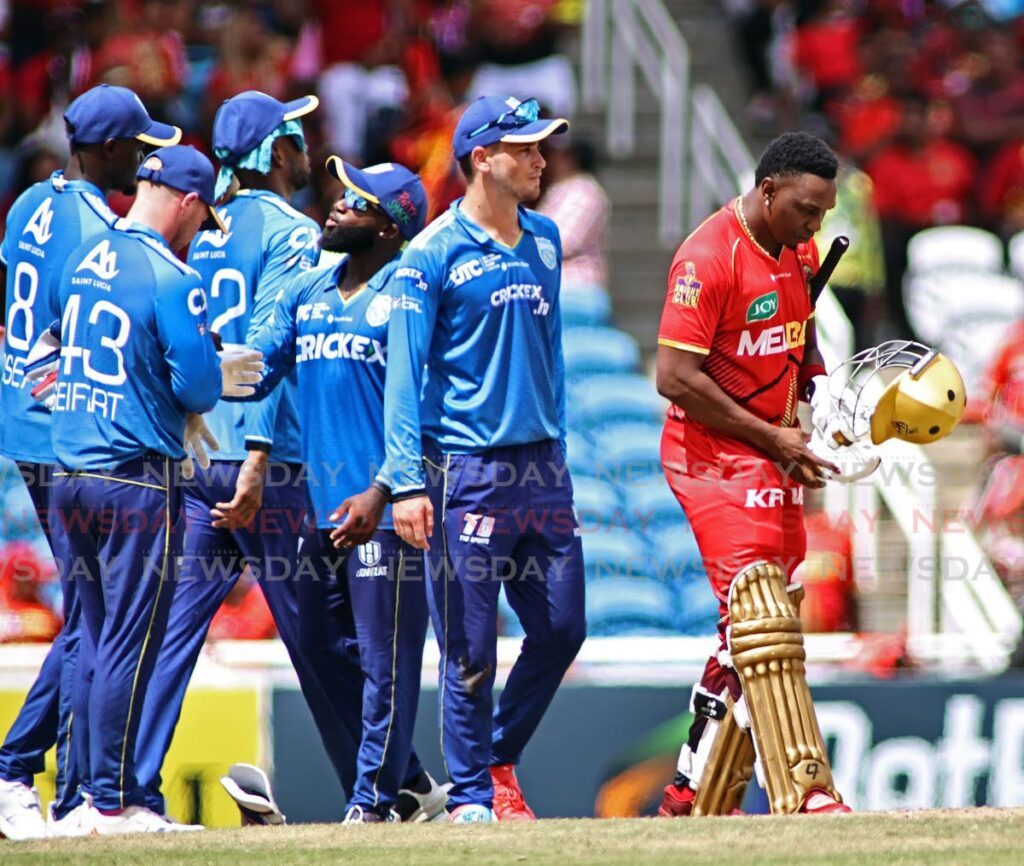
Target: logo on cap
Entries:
(154, 163)
(402, 208)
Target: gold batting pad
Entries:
(728, 769)
(767, 647)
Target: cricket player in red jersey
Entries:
(736, 353)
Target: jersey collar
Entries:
(136, 228)
(61, 184)
(377, 282)
(527, 222)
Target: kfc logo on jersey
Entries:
(773, 341)
(687, 289)
(764, 307)
(773, 497)
(478, 529)
(101, 261)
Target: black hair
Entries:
(466, 164)
(797, 153)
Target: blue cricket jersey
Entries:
(484, 319)
(136, 353)
(267, 245)
(338, 349)
(44, 225)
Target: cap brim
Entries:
(160, 134)
(213, 223)
(352, 177)
(300, 107)
(537, 131)
(881, 417)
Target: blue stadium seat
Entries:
(652, 506)
(628, 453)
(599, 401)
(615, 552)
(676, 555)
(597, 503)
(697, 608)
(589, 351)
(629, 605)
(579, 453)
(585, 306)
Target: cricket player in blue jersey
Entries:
(108, 127)
(330, 327)
(476, 459)
(136, 356)
(248, 507)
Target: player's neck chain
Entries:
(742, 217)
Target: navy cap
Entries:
(185, 169)
(491, 119)
(109, 112)
(392, 187)
(244, 120)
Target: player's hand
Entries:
(361, 514)
(414, 521)
(241, 510)
(43, 358)
(241, 370)
(197, 438)
(789, 448)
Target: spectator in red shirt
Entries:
(921, 179)
(1002, 191)
(24, 617)
(825, 49)
(244, 614)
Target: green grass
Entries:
(944, 838)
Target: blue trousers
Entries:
(371, 600)
(124, 528)
(45, 717)
(503, 517)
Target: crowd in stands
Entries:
(926, 98)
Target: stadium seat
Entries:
(629, 605)
(960, 247)
(597, 504)
(938, 303)
(589, 351)
(652, 506)
(628, 452)
(601, 400)
(697, 608)
(584, 306)
(615, 552)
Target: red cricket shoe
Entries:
(822, 803)
(509, 804)
(677, 802)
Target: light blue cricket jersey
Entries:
(45, 224)
(338, 349)
(485, 320)
(269, 243)
(136, 353)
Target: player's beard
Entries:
(348, 239)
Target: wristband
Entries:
(255, 445)
(408, 494)
(384, 490)
(804, 377)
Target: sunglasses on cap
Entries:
(354, 201)
(523, 114)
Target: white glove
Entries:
(241, 370)
(43, 357)
(821, 403)
(197, 438)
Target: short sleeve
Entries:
(697, 289)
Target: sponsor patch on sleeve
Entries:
(687, 288)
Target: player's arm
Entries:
(555, 325)
(188, 348)
(409, 334)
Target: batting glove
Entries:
(241, 370)
(197, 438)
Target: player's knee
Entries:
(565, 638)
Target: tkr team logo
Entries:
(369, 553)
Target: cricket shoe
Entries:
(471, 813)
(21, 813)
(359, 815)
(509, 803)
(677, 801)
(249, 787)
(423, 800)
(77, 822)
(823, 803)
(136, 819)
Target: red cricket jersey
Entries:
(748, 312)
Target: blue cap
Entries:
(491, 119)
(244, 120)
(392, 187)
(109, 112)
(185, 169)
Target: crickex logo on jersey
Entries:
(773, 341)
(350, 347)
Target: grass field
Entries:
(945, 838)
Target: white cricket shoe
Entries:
(358, 815)
(21, 813)
(136, 819)
(250, 788)
(423, 800)
(77, 822)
